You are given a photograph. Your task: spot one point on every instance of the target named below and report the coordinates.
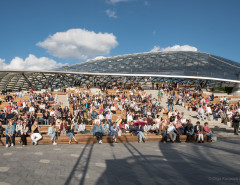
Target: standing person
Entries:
(159, 95)
(97, 131)
(24, 132)
(10, 133)
(52, 133)
(36, 136)
(236, 120)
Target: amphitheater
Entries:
(127, 162)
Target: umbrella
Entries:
(142, 123)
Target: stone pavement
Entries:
(122, 164)
(218, 128)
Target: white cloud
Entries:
(116, 1)
(30, 63)
(175, 48)
(111, 13)
(79, 44)
(156, 48)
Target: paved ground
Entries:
(123, 164)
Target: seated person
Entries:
(139, 133)
(153, 128)
(146, 128)
(208, 132)
(81, 128)
(163, 131)
(52, 133)
(132, 128)
(70, 133)
(35, 136)
(122, 127)
(19, 128)
(198, 130)
(179, 127)
(24, 133)
(171, 130)
(63, 127)
(97, 131)
(189, 131)
(105, 127)
(113, 109)
(114, 132)
(10, 133)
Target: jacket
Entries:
(10, 129)
(96, 129)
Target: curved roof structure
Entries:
(177, 63)
(182, 67)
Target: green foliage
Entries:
(223, 89)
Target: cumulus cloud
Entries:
(111, 13)
(30, 63)
(156, 48)
(175, 48)
(116, 1)
(79, 44)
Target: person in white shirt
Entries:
(81, 128)
(109, 117)
(113, 109)
(101, 117)
(201, 112)
(171, 132)
(31, 109)
(208, 112)
(129, 117)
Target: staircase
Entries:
(62, 99)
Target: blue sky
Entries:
(43, 34)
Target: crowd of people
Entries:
(206, 107)
(138, 113)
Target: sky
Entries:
(47, 34)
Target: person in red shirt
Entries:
(122, 127)
(207, 131)
(9, 107)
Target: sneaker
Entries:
(35, 144)
(12, 144)
(54, 143)
(100, 141)
(23, 145)
(32, 142)
(6, 145)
